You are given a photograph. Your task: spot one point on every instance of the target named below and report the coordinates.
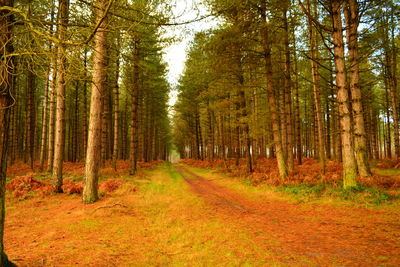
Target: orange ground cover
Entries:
(78, 168)
(23, 183)
(266, 172)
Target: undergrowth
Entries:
(307, 182)
(360, 194)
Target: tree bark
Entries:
(360, 142)
(60, 92)
(30, 116)
(349, 162)
(271, 94)
(52, 114)
(46, 114)
(316, 91)
(6, 70)
(135, 103)
(299, 148)
(44, 120)
(90, 189)
(288, 92)
(116, 109)
(84, 115)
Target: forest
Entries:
(279, 143)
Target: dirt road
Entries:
(328, 235)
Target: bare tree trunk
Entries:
(124, 131)
(135, 104)
(237, 134)
(299, 148)
(271, 94)
(210, 145)
(13, 138)
(60, 92)
(360, 142)
(328, 130)
(84, 115)
(388, 138)
(52, 114)
(104, 122)
(246, 129)
(349, 161)
(375, 135)
(201, 143)
(75, 124)
(393, 84)
(394, 101)
(44, 120)
(316, 91)
(90, 189)
(6, 70)
(30, 115)
(116, 109)
(288, 93)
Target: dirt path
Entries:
(327, 235)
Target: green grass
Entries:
(360, 194)
(388, 172)
(184, 233)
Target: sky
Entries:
(176, 53)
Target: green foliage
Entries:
(360, 194)
(303, 190)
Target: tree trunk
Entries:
(288, 93)
(271, 94)
(75, 124)
(6, 65)
(360, 142)
(90, 190)
(52, 114)
(135, 103)
(316, 91)
(30, 116)
(349, 161)
(299, 148)
(44, 120)
(246, 128)
(60, 92)
(104, 122)
(116, 110)
(388, 138)
(84, 111)
(46, 114)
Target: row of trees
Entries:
(81, 81)
(293, 79)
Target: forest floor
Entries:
(180, 215)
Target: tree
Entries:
(6, 101)
(360, 142)
(135, 104)
(59, 140)
(90, 189)
(116, 106)
(313, 35)
(270, 91)
(349, 162)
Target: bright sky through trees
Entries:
(176, 53)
